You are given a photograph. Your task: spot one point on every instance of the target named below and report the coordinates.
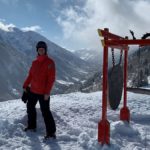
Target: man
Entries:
(40, 79)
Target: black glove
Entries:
(25, 95)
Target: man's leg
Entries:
(47, 115)
(31, 111)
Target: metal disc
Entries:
(115, 86)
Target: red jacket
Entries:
(41, 75)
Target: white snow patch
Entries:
(76, 79)
(148, 80)
(64, 82)
(15, 92)
(129, 83)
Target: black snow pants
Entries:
(46, 113)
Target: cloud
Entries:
(80, 24)
(31, 28)
(7, 27)
(142, 8)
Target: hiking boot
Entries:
(30, 129)
(49, 136)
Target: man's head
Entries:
(41, 48)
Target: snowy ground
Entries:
(77, 116)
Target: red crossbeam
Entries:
(105, 33)
(116, 46)
(123, 42)
(117, 42)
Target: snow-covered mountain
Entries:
(139, 67)
(17, 50)
(91, 56)
(138, 71)
(13, 66)
(77, 116)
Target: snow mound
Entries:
(77, 116)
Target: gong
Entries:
(115, 86)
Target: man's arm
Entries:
(51, 78)
(28, 79)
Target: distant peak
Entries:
(7, 27)
(31, 28)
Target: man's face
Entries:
(41, 51)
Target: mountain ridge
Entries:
(18, 49)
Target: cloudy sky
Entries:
(73, 23)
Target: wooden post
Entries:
(104, 125)
(124, 112)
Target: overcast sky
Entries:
(73, 24)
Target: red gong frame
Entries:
(111, 40)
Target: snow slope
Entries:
(77, 116)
